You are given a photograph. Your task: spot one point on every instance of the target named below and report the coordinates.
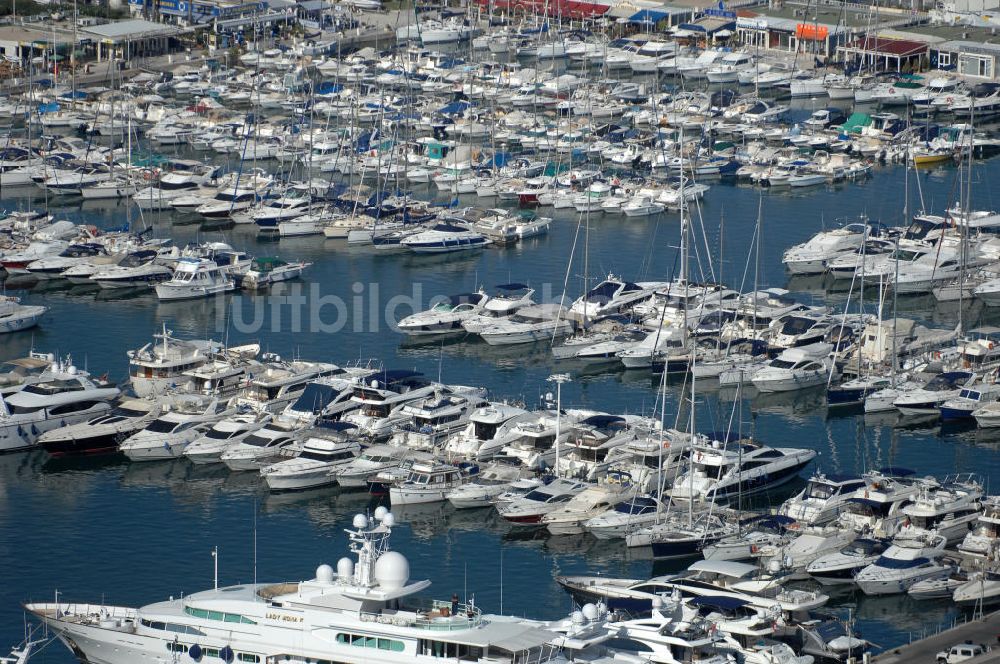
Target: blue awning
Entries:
(648, 16)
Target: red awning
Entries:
(900, 47)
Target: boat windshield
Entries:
(162, 426)
(51, 387)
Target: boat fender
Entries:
(195, 652)
(226, 654)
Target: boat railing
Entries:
(437, 616)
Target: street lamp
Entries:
(558, 379)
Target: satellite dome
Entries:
(392, 570)
(345, 569)
(578, 618)
(657, 602)
(380, 512)
(590, 612)
(389, 520)
(360, 522)
(324, 574)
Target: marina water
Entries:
(131, 534)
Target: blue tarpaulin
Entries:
(328, 87)
(648, 16)
(499, 160)
(455, 107)
(77, 94)
(51, 107)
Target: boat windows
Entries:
(484, 430)
(325, 457)
(218, 615)
(782, 364)
(23, 410)
(361, 641)
(247, 657)
(70, 408)
(215, 434)
(52, 387)
(452, 651)
(123, 412)
(378, 410)
(161, 426)
(821, 491)
(261, 441)
(797, 325)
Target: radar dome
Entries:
(578, 618)
(389, 520)
(360, 522)
(774, 566)
(324, 574)
(380, 512)
(590, 612)
(345, 569)
(392, 570)
(657, 602)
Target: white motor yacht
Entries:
(195, 278)
(270, 444)
(796, 369)
(223, 436)
(907, 561)
(15, 316)
(491, 481)
(186, 418)
(63, 396)
(427, 482)
(445, 317)
(238, 624)
(813, 256)
(541, 322)
(504, 302)
(102, 433)
(721, 472)
(444, 238)
(821, 499)
(571, 517)
(984, 538)
(840, 567)
(138, 269)
(528, 510)
(326, 450)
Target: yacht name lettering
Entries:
(283, 617)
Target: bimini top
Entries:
(723, 568)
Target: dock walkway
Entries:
(985, 630)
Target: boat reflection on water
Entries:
(797, 406)
(81, 464)
(898, 617)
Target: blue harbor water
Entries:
(105, 530)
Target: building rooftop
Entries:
(959, 46)
(955, 32)
(25, 34)
(132, 29)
